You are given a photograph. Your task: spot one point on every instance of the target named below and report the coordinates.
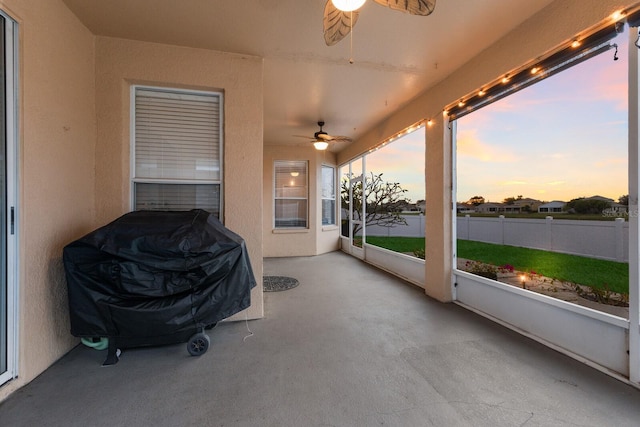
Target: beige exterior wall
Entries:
(312, 241)
(557, 23)
(122, 63)
(57, 137)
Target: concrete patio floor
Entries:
(350, 346)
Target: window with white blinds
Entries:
(290, 194)
(177, 150)
(328, 195)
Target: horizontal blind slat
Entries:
(177, 135)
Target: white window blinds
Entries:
(328, 195)
(177, 135)
(177, 150)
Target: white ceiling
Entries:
(396, 56)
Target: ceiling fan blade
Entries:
(341, 138)
(324, 137)
(337, 24)
(414, 7)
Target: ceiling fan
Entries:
(321, 139)
(341, 15)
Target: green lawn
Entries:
(576, 269)
(397, 244)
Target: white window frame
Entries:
(12, 230)
(276, 197)
(331, 197)
(176, 181)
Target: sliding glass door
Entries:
(8, 227)
(3, 212)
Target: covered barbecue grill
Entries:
(156, 277)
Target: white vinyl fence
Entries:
(414, 228)
(595, 239)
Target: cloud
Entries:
(558, 156)
(514, 183)
(469, 145)
(614, 161)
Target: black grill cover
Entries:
(151, 273)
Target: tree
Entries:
(511, 200)
(587, 206)
(476, 200)
(624, 200)
(384, 202)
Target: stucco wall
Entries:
(121, 63)
(56, 171)
(555, 24)
(312, 241)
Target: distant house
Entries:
(489, 208)
(614, 207)
(506, 208)
(555, 206)
(410, 208)
(527, 204)
(465, 208)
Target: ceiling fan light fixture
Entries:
(321, 145)
(348, 5)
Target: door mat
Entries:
(278, 283)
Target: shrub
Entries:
(418, 253)
(481, 269)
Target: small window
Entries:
(328, 195)
(177, 150)
(291, 194)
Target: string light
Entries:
(617, 15)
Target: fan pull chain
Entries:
(351, 37)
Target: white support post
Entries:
(451, 139)
(634, 229)
(549, 232)
(363, 214)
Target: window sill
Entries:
(329, 227)
(289, 230)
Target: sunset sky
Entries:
(402, 161)
(562, 138)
